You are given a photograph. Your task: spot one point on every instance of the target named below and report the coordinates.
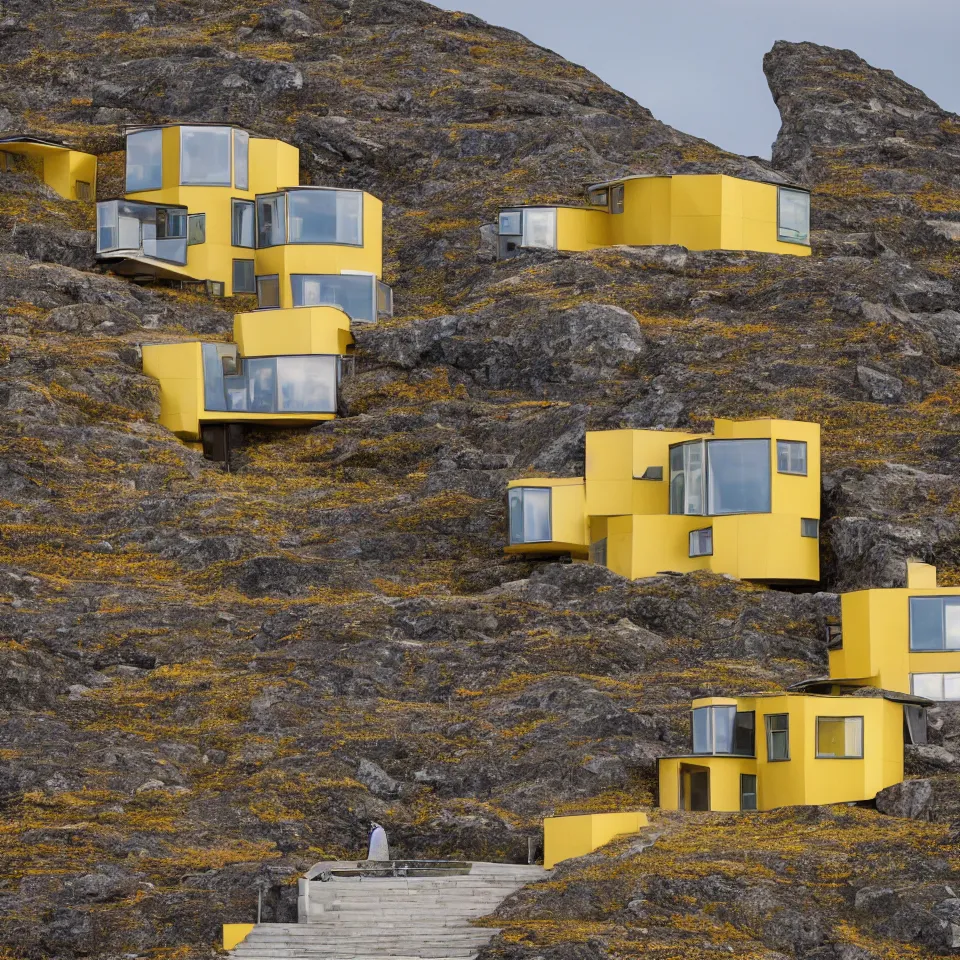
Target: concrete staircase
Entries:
(400, 918)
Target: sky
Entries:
(697, 64)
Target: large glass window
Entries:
(793, 216)
(144, 160)
(686, 478)
(540, 228)
(934, 623)
(241, 159)
(840, 738)
(935, 686)
(268, 291)
(792, 457)
(244, 227)
(529, 509)
(723, 730)
(243, 277)
(142, 229)
(205, 156)
(325, 216)
(352, 293)
(271, 220)
(268, 384)
(778, 736)
(738, 476)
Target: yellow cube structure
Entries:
(762, 752)
(71, 173)
(744, 501)
(901, 639)
(236, 933)
(567, 837)
(283, 370)
(214, 203)
(696, 211)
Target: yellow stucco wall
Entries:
(236, 933)
(568, 837)
(803, 778)
(304, 330)
(59, 167)
(876, 636)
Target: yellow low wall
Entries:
(568, 837)
(234, 933)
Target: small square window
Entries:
(196, 229)
(216, 288)
(268, 291)
(511, 223)
(810, 528)
(701, 542)
(84, 191)
(792, 457)
(243, 278)
(616, 198)
(839, 738)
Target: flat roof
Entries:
(138, 127)
(799, 690)
(591, 185)
(35, 140)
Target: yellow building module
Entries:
(71, 173)
(744, 501)
(762, 752)
(696, 211)
(216, 204)
(901, 639)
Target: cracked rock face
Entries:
(211, 680)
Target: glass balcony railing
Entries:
(129, 229)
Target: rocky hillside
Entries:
(211, 680)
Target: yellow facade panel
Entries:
(235, 933)
(304, 330)
(567, 837)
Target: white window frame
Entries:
(788, 446)
(828, 756)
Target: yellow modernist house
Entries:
(72, 174)
(284, 369)
(905, 639)
(696, 211)
(757, 753)
(744, 501)
(214, 203)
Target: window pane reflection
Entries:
(243, 223)
(270, 221)
(325, 216)
(241, 159)
(352, 294)
(205, 155)
(793, 215)
(540, 228)
(738, 477)
(144, 160)
(530, 515)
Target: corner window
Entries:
(738, 476)
(793, 216)
(243, 278)
(530, 515)
(241, 159)
(271, 220)
(778, 736)
(352, 293)
(205, 156)
(540, 228)
(723, 730)
(268, 291)
(144, 160)
(839, 738)
(686, 478)
(196, 229)
(599, 197)
(934, 623)
(935, 686)
(701, 542)
(511, 223)
(914, 724)
(83, 190)
(792, 457)
(616, 198)
(598, 552)
(810, 528)
(384, 300)
(325, 216)
(243, 223)
(748, 791)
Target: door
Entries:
(694, 788)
